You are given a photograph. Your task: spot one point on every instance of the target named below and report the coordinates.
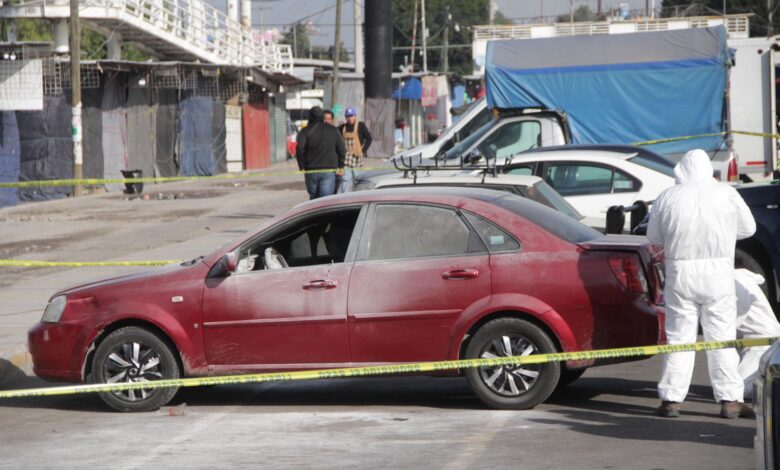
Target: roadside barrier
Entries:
(411, 368)
(81, 264)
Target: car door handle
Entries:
(459, 274)
(320, 284)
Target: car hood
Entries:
(127, 278)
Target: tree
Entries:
(582, 13)
(297, 37)
(465, 13)
(759, 23)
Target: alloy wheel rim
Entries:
(510, 380)
(132, 362)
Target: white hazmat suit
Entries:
(698, 222)
(755, 319)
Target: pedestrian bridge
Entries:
(180, 30)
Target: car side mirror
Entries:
(230, 263)
(474, 156)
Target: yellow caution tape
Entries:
(80, 264)
(713, 134)
(169, 179)
(411, 368)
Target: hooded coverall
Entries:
(698, 222)
(755, 319)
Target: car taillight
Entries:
(628, 271)
(733, 171)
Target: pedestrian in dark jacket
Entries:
(357, 140)
(320, 148)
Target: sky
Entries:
(282, 13)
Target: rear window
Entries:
(558, 224)
(657, 163)
(543, 193)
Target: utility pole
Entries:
(571, 11)
(491, 11)
(295, 40)
(75, 88)
(424, 40)
(446, 41)
(336, 57)
(414, 33)
(358, 37)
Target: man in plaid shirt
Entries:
(357, 139)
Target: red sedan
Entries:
(367, 278)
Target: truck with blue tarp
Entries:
(667, 89)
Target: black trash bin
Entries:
(133, 188)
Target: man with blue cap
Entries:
(357, 140)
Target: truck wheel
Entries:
(134, 354)
(512, 387)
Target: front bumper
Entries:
(57, 350)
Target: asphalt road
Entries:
(605, 420)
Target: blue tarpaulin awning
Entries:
(619, 89)
(410, 89)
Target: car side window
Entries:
(416, 231)
(321, 238)
(496, 239)
(510, 139)
(571, 179)
(623, 183)
(521, 170)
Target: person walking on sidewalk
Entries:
(357, 140)
(698, 222)
(320, 150)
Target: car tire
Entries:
(743, 259)
(133, 354)
(512, 387)
(569, 375)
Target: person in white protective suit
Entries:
(755, 319)
(698, 222)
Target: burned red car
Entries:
(368, 278)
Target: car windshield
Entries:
(461, 147)
(544, 193)
(654, 162)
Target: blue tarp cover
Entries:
(10, 152)
(195, 146)
(410, 90)
(619, 88)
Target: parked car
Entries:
(531, 187)
(373, 277)
(766, 404)
(594, 178)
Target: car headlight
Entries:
(54, 310)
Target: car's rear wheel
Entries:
(512, 387)
(569, 375)
(134, 354)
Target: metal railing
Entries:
(193, 25)
(736, 25)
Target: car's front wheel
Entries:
(512, 386)
(134, 354)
